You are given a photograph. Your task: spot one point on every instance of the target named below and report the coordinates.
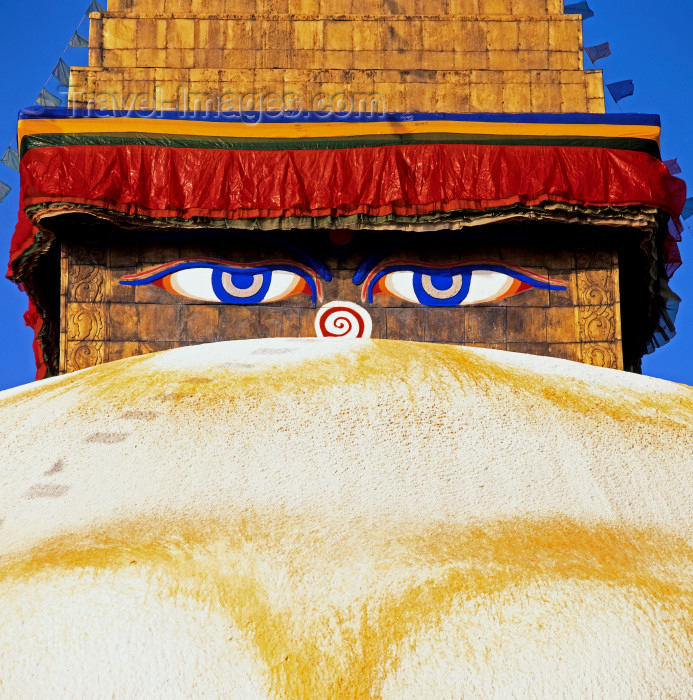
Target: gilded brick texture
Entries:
(108, 321)
(415, 55)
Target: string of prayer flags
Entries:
(594, 53)
(61, 73)
(621, 89)
(579, 8)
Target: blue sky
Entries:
(650, 44)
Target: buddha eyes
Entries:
(219, 281)
(452, 285)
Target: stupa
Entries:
(354, 516)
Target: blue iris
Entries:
(241, 280)
(442, 282)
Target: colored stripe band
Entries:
(45, 140)
(36, 112)
(290, 130)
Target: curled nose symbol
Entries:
(342, 319)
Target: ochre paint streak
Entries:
(346, 652)
(136, 379)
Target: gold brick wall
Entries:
(103, 320)
(433, 55)
(342, 7)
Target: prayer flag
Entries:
(579, 8)
(94, 7)
(48, 99)
(62, 73)
(78, 42)
(621, 89)
(687, 209)
(4, 190)
(673, 166)
(10, 159)
(594, 53)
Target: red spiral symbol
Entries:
(343, 320)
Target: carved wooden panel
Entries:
(81, 355)
(85, 322)
(593, 259)
(597, 323)
(601, 355)
(598, 317)
(64, 283)
(84, 310)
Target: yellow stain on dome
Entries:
(370, 364)
(329, 502)
(313, 649)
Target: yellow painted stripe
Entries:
(119, 125)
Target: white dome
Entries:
(335, 518)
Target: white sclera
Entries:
(401, 284)
(280, 284)
(195, 283)
(487, 285)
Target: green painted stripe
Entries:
(270, 144)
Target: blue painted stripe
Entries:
(36, 112)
